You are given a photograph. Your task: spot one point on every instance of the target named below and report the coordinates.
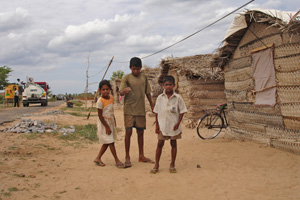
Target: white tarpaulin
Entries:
(239, 21)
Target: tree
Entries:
(4, 73)
(117, 75)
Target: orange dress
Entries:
(107, 106)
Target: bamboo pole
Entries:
(95, 95)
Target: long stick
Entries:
(95, 96)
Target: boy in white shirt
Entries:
(169, 110)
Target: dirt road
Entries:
(45, 167)
(13, 113)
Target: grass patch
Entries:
(77, 103)
(13, 189)
(88, 132)
(77, 114)
(6, 194)
(9, 191)
(45, 146)
(52, 99)
(32, 136)
(78, 109)
(13, 148)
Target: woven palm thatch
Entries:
(197, 66)
(276, 125)
(153, 75)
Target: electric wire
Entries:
(192, 33)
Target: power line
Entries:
(192, 33)
(98, 72)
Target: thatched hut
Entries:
(201, 87)
(152, 76)
(260, 59)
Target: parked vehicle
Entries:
(35, 93)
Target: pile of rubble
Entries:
(37, 126)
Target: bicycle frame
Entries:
(213, 121)
(222, 113)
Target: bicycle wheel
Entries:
(210, 125)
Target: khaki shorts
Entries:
(160, 136)
(138, 122)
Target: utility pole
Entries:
(87, 81)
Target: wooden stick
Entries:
(95, 95)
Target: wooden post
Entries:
(98, 88)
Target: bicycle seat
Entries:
(222, 106)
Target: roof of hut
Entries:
(197, 66)
(285, 21)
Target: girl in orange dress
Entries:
(106, 125)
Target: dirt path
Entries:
(49, 168)
(13, 113)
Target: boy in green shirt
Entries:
(135, 86)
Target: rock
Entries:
(71, 130)
(26, 120)
(18, 129)
(34, 130)
(36, 126)
(62, 130)
(198, 166)
(40, 130)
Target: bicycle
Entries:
(214, 122)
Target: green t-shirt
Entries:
(134, 102)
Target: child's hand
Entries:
(126, 90)
(157, 130)
(108, 131)
(176, 127)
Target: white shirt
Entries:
(168, 111)
(16, 93)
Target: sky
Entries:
(59, 41)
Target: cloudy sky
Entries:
(52, 40)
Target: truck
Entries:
(35, 93)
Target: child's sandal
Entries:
(153, 171)
(99, 163)
(120, 166)
(172, 170)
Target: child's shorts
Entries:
(160, 136)
(139, 122)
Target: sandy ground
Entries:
(49, 168)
